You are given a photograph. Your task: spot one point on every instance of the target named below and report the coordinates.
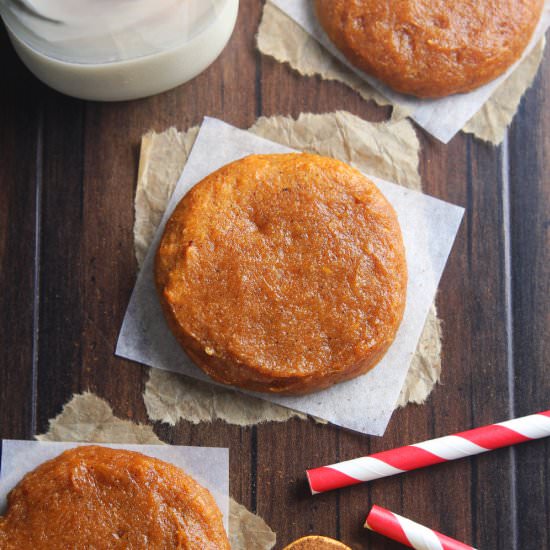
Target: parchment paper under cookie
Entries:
(492, 120)
(88, 418)
(294, 36)
(365, 404)
(161, 161)
(389, 150)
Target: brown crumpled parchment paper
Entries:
(388, 150)
(89, 418)
(283, 39)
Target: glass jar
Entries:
(112, 50)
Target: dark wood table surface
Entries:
(67, 179)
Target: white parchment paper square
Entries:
(442, 118)
(209, 466)
(364, 404)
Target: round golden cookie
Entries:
(315, 542)
(283, 273)
(97, 497)
(431, 48)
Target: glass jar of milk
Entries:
(112, 50)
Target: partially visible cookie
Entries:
(431, 48)
(97, 497)
(315, 542)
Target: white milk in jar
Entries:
(112, 50)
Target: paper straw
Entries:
(410, 533)
(433, 451)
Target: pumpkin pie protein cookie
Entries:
(315, 542)
(97, 497)
(283, 273)
(431, 48)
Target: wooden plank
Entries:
(529, 147)
(60, 312)
(285, 451)
(20, 139)
(481, 345)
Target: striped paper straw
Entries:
(433, 451)
(410, 533)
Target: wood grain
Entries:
(67, 181)
(529, 147)
(21, 131)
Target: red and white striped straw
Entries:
(434, 451)
(410, 533)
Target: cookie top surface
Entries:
(316, 542)
(283, 273)
(97, 497)
(431, 48)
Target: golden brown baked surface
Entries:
(431, 48)
(315, 542)
(283, 273)
(96, 497)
